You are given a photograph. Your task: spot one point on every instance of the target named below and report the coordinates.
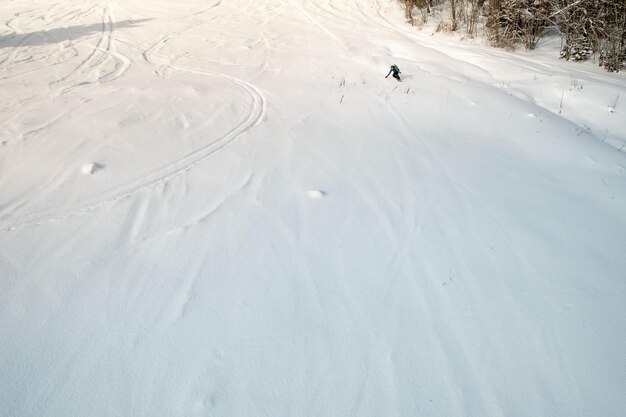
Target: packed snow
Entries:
(223, 208)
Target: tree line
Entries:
(588, 28)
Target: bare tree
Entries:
(610, 34)
(410, 6)
(472, 12)
(455, 24)
(574, 20)
(512, 22)
(591, 27)
(588, 27)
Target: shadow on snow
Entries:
(58, 35)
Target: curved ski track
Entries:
(102, 53)
(175, 168)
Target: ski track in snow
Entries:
(102, 54)
(316, 22)
(94, 60)
(380, 21)
(377, 249)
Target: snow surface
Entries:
(223, 208)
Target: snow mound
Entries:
(316, 194)
(91, 168)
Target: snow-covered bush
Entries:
(579, 49)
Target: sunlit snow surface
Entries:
(223, 208)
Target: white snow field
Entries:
(223, 208)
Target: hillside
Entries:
(225, 209)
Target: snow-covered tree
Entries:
(591, 27)
(512, 22)
(411, 6)
(588, 27)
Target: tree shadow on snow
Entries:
(58, 35)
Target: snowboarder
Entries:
(396, 71)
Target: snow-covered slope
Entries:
(223, 208)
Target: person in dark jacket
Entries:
(396, 72)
